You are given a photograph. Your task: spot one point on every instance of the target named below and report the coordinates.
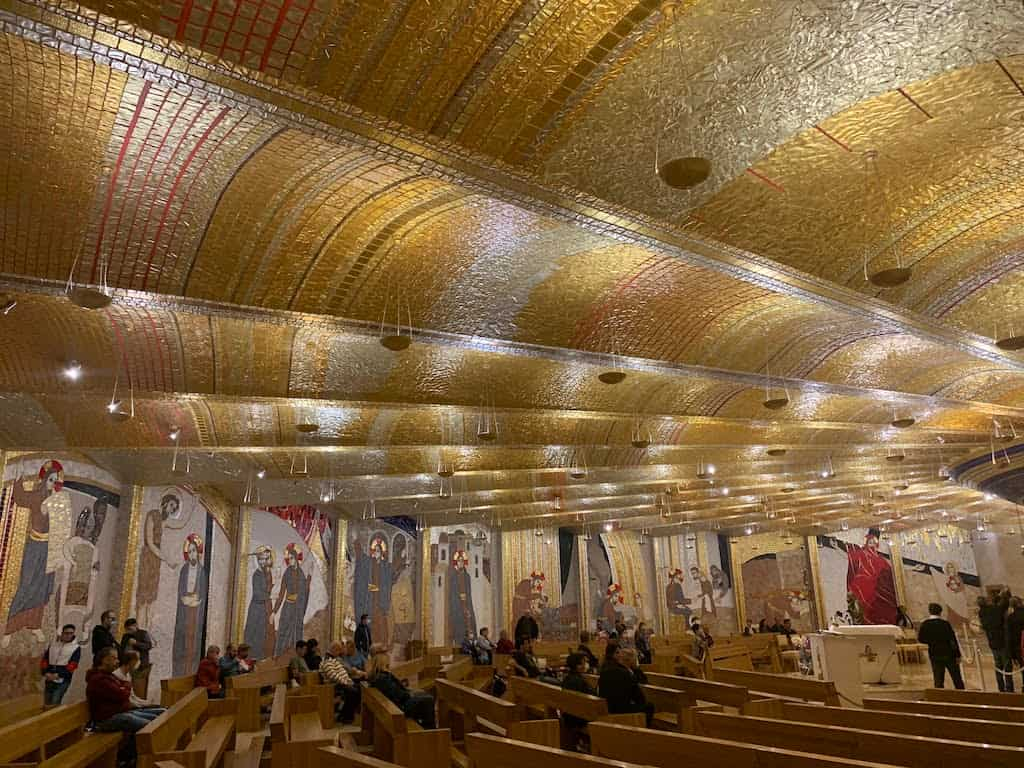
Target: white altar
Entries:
(879, 660)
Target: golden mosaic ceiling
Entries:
(259, 185)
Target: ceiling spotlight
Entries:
(74, 371)
(261, 473)
(175, 433)
(748, 530)
(989, 497)
(8, 305)
(608, 527)
(725, 491)
(113, 406)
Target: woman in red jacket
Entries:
(208, 674)
(109, 701)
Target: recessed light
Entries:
(74, 371)
(261, 473)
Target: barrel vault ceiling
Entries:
(266, 188)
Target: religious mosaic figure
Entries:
(190, 618)
(373, 583)
(528, 596)
(292, 600)
(869, 578)
(461, 616)
(49, 510)
(259, 631)
(403, 596)
(676, 601)
(705, 592)
(153, 558)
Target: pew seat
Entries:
(296, 729)
(19, 708)
(401, 740)
(194, 732)
(52, 733)
(946, 709)
(985, 698)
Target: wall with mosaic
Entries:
(283, 588)
(463, 583)
(694, 583)
(382, 580)
(183, 568)
(1000, 561)
(533, 585)
(939, 566)
(857, 578)
(58, 529)
(773, 576)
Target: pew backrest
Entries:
(498, 752)
(781, 685)
(716, 692)
(384, 712)
(19, 708)
(479, 704)
(986, 698)
(457, 670)
(166, 732)
(944, 709)
(57, 724)
(335, 757)
(536, 694)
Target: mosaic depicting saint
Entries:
(190, 615)
(372, 587)
(403, 595)
(153, 559)
(48, 507)
(461, 616)
(259, 632)
(292, 600)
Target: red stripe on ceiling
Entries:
(188, 194)
(117, 170)
(275, 31)
(231, 28)
(208, 25)
(587, 326)
(167, 166)
(252, 28)
(832, 138)
(186, 11)
(127, 192)
(174, 188)
(909, 98)
(761, 177)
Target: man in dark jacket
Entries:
(137, 639)
(1014, 631)
(619, 687)
(526, 627)
(992, 614)
(363, 638)
(943, 647)
(103, 636)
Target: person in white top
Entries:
(130, 661)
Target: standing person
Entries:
(313, 659)
(59, 662)
(333, 670)
(153, 559)
(102, 636)
(1015, 634)
(526, 627)
(292, 600)
(701, 641)
(138, 639)
(109, 701)
(943, 647)
(642, 643)
(192, 593)
(992, 614)
(414, 704)
(208, 674)
(363, 637)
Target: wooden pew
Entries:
(781, 685)
(20, 707)
(333, 757)
(248, 751)
(495, 752)
(989, 698)
(895, 748)
(673, 708)
(174, 689)
(296, 730)
(57, 732)
(729, 656)
(417, 672)
(668, 750)
(764, 650)
(462, 670)
(246, 689)
(977, 731)
(195, 732)
(401, 740)
(943, 709)
(725, 694)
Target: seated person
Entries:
(610, 649)
(109, 701)
(485, 647)
(414, 704)
(354, 661)
(469, 648)
(701, 641)
(245, 664)
(228, 663)
(208, 674)
(313, 655)
(576, 664)
(332, 670)
(505, 645)
(130, 662)
(584, 649)
(788, 631)
(297, 667)
(619, 687)
(525, 663)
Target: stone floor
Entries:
(916, 677)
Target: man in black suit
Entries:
(363, 639)
(526, 627)
(102, 636)
(619, 686)
(943, 647)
